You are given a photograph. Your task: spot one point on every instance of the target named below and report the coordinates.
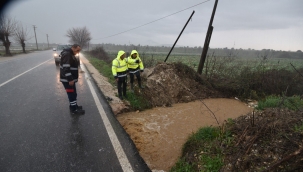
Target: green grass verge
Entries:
(182, 166)
(104, 68)
(201, 151)
(293, 103)
(136, 100)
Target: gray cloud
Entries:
(104, 18)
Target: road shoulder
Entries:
(105, 87)
(106, 90)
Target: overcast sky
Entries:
(257, 24)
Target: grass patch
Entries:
(292, 103)
(104, 68)
(137, 101)
(201, 152)
(212, 163)
(182, 166)
(299, 128)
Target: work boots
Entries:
(78, 112)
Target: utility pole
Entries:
(179, 35)
(207, 40)
(47, 41)
(35, 35)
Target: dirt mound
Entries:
(266, 141)
(167, 84)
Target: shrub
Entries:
(292, 103)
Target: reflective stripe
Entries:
(135, 65)
(119, 64)
(68, 74)
(74, 101)
(63, 80)
(66, 65)
(121, 75)
(134, 71)
(73, 104)
(73, 68)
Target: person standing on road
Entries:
(119, 70)
(69, 77)
(135, 66)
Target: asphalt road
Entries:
(37, 132)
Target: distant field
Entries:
(193, 60)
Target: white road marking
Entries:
(112, 135)
(23, 73)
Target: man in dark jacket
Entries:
(69, 77)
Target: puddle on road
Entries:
(160, 133)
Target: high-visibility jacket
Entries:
(132, 65)
(119, 67)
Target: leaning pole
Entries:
(207, 40)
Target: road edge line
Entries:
(123, 160)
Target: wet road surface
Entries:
(37, 132)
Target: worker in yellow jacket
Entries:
(135, 66)
(119, 69)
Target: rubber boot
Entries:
(120, 96)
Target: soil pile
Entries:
(271, 140)
(167, 84)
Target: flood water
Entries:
(160, 133)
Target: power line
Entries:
(152, 21)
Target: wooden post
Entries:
(207, 40)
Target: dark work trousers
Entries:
(132, 76)
(72, 95)
(122, 85)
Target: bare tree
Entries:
(21, 35)
(7, 29)
(79, 36)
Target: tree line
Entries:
(10, 28)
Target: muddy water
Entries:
(160, 133)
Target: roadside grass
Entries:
(136, 99)
(292, 103)
(103, 67)
(182, 166)
(201, 151)
(2, 53)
